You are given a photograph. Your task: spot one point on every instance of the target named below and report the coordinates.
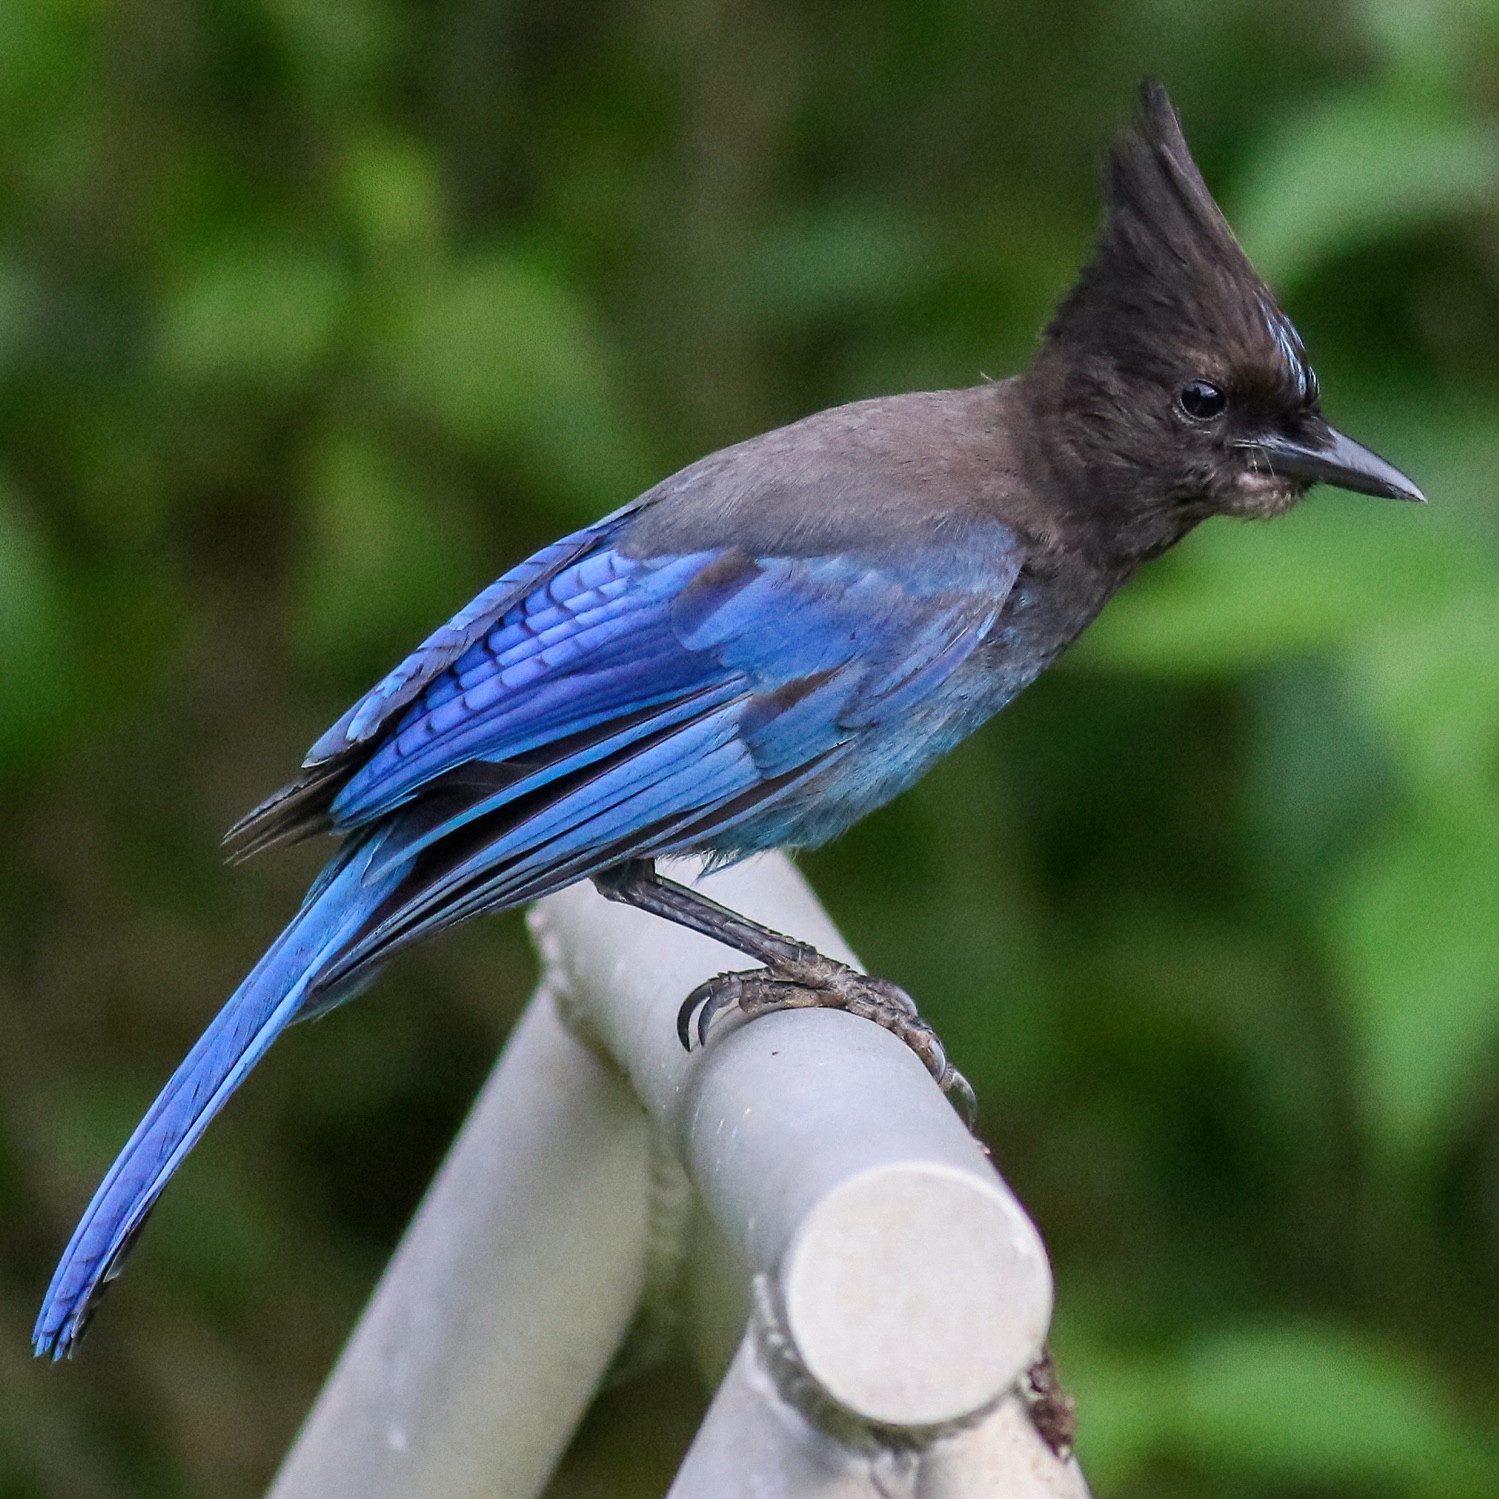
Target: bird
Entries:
(767, 646)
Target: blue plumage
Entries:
(592, 705)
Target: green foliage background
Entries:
(314, 317)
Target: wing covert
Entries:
(628, 704)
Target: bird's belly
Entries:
(874, 766)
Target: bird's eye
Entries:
(1201, 400)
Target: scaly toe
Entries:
(818, 981)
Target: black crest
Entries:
(1168, 279)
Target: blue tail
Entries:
(283, 987)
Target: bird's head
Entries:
(1171, 379)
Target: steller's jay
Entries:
(770, 644)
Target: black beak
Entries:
(1334, 459)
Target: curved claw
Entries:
(961, 1096)
(684, 1017)
(707, 1001)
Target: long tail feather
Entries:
(283, 986)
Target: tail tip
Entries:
(52, 1343)
(59, 1329)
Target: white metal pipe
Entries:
(1002, 1456)
(912, 1285)
(508, 1296)
(752, 1445)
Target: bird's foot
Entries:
(818, 982)
(1053, 1410)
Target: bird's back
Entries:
(870, 476)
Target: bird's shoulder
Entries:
(879, 474)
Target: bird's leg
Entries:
(635, 882)
(795, 975)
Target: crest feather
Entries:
(1168, 279)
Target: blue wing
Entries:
(593, 705)
(300, 808)
(631, 706)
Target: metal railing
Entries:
(886, 1290)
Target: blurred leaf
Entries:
(251, 313)
(38, 686)
(1233, 597)
(1306, 1405)
(1295, 1405)
(1316, 773)
(505, 357)
(1432, 683)
(44, 50)
(1426, 40)
(838, 259)
(393, 195)
(216, 1228)
(18, 305)
(334, 47)
(384, 564)
(1416, 934)
(1357, 169)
